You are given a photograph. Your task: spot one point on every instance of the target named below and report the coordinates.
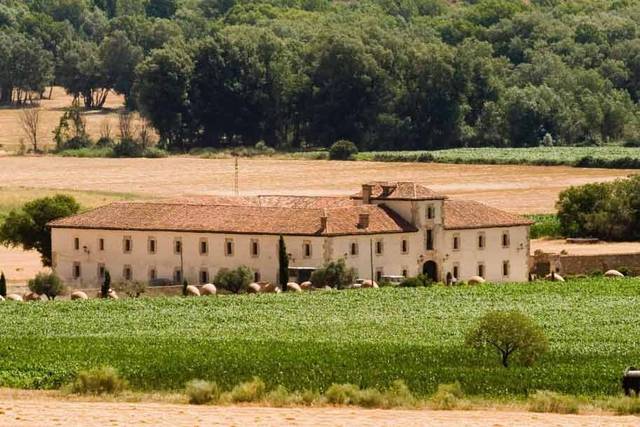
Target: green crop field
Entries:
(610, 156)
(367, 337)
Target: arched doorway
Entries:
(430, 269)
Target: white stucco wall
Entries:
(392, 261)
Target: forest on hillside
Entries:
(385, 74)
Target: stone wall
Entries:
(543, 263)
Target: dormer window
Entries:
(431, 212)
(506, 241)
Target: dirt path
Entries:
(36, 409)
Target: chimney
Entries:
(366, 194)
(323, 222)
(363, 220)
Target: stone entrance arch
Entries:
(430, 269)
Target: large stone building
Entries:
(387, 229)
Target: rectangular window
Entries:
(481, 240)
(228, 247)
(379, 273)
(505, 268)
(126, 272)
(456, 242)
(101, 244)
(481, 270)
(354, 248)
(256, 276)
(255, 248)
(177, 275)
(152, 245)
(153, 274)
(405, 272)
(76, 243)
(429, 239)
(101, 270)
(405, 246)
(76, 270)
(177, 245)
(505, 239)
(430, 212)
(204, 276)
(306, 249)
(127, 244)
(379, 247)
(456, 271)
(204, 246)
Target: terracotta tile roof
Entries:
(461, 214)
(243, 219)
(400, 191)
(293, 202)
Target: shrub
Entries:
(369, 398)
(250, 391)
(342, 394)
(128, 147)
(549, 401)
(132, 289)
(104, 380)
(77, 142)
(154, 153)
(343, 150)
(105, 142)
(280, 396)
(335, 274)
(420, 280)
(236, 280)
(48, 284)
(509, 332)
(201, 392)
(399, 395)
(448, 396)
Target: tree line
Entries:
(385, 74)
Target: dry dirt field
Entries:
(24, 408)
(51, 111)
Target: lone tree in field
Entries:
(27, 227)
(30, 124)
(334, 274)
(47, 284)
(509, 332)
(283, 258)
(3, 285)
(106, 285)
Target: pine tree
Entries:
(283, 259)
(3, 285)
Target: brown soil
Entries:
(601, 248)
(19, 408)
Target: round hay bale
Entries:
(554, 277)
(476, 280)
(293, 287)
(613, 273)
(31, 296)
(253, 288)
(270, 288)
(14, 297)
(78, 295)
(112, 294)
(208, 289)
(1, 298)
(369, 284)
(305, 286)
(356, 286)
(192, 291)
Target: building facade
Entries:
(387, 229)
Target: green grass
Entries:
(611, 156)
(309, 341)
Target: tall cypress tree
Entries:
(3, 285)
(106, 284)
(283, 259)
